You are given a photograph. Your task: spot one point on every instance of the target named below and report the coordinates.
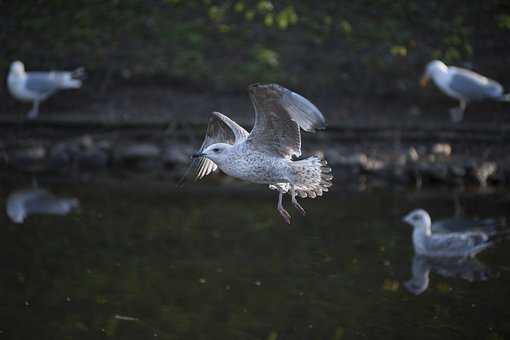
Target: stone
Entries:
(142, 151)
(92, 159)
(484, 171)
(442, 149)
(30, 158)
(433, 171)
(143, 156)
(412, 154)
(86, 142)
(356, 159)
(372, 165)
(458, 170)
(59, 157)
(480, 172)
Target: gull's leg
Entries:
(457, 113)
(295, 202)
(35, 110)
(281, 210)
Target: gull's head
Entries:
(431, 70)
(17, 68)
(17, 213)
(218, 153)
(418, 218)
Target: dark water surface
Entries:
(144, 260)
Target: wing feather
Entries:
(473, 86)
(279, 115)
(220, 129)
(456, 243)
(43, 83)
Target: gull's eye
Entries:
(216, 150)
(416, 218)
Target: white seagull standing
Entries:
(265, 155)
(444, 244)
(36, 87)
(464, 85)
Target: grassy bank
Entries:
(335, 47)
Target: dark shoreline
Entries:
(458, 156)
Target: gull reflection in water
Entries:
(26, 202)
(466, 268)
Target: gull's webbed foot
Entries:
(281, 210)
(285, 214)
(295, 202)
(298, 206)
(34, 112)
(457, 113)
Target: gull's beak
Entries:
(424, 80)
(406, 219)
(253, 86)
(198, 155)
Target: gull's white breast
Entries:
(255, 166)
(443, 80)
(17, 87)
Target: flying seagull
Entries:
(36, 87)
(266, 154)
(447, 244)
(464, 85)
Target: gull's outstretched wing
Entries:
(473, 86)
(221, 129)
(279, 113)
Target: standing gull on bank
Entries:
(464, 85)
(447, 244)
(265, 155)
(36, 87)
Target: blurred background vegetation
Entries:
(347, 47)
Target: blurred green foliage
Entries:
(225, 45)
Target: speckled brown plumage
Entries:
(265, 155)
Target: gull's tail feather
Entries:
(504, 98)
(72, 80)
(70, 83)
(79, 73)
(313, 177)
(500, 235)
